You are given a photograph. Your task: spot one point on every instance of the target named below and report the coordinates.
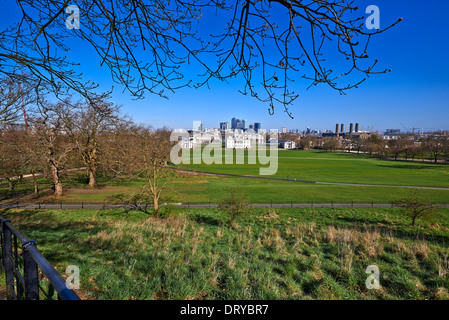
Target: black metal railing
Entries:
(21, 267)
(203, 204)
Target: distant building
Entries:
(224, 125)
(286, 144)
(257, 126)
(197, 126)
(238, 143)
(234, 123)
(283, 130)
(393, 131)
(187, 143)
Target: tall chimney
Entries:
(342, 129)
(356, 127)
(336, 128)
(350, 128)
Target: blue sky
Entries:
(414, 94)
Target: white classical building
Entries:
(237, 143)
(243, 140)
(286, 144)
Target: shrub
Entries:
(416, 206)
(235, 205)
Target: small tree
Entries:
(154, 155)
(331, 144)
(416, 206)
(236, 204)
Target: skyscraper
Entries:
(224, 125)
(234, 123)
(257, 126)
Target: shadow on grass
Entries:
(204, 219)
(401, 230)
(57, 240)
(402, 165)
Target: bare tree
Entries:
(396, 147)
(146, 153)
(53, 139)
(119, 149)
(154, 148)
(416, 206)
(268, 43)
(14, 97)
(331, 144)
(33, 156)
(85, 123)
(10, 156)
(436, 145)
(235, 205)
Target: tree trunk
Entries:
(92, 177)
(56, 180)
(156, 205)
(36, 188)
(58, 189)
(10, 184)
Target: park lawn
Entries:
(293, 253)
(214, 188)
(201, 188)
(294, 164)
(338, 167)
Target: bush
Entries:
(136, 201)
(169, 210)
(416, 206)
(235, 205)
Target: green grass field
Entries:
(319, 253)
(300, 165)
(339, 167)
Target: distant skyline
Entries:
(414, 94)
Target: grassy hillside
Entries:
(272, 254)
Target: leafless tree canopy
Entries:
(14, 96)
(149, 45)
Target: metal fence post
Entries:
(30, 273)
(8, 261)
